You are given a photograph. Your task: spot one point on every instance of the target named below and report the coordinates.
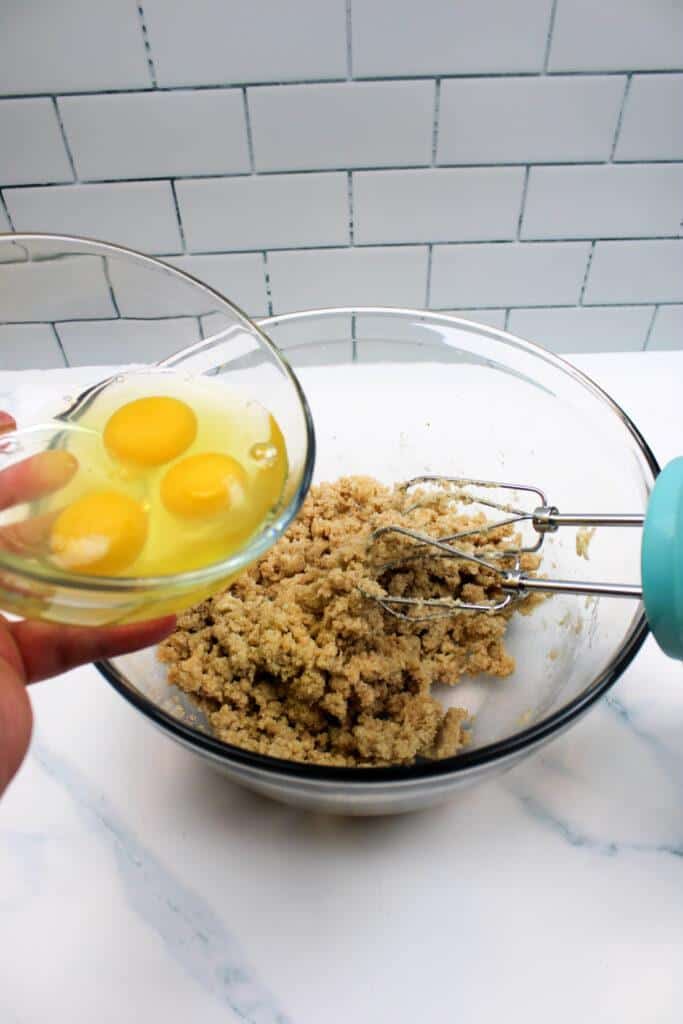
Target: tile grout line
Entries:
(428, 283)
(266, 275)
(620, 117)
(147, 45)
(522, 205)
(349, 192)
(507, 318)
(250, 137)
(349, 51)
(435, 125)
(65, 140)
(179, 219)
(584, 283)
(112, 293)
(366, 168)
(225, 87)
(440, 309)
(5, 209)
(200, 328)
(60, 346)
(646, 343)
(549, 37)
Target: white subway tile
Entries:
(610, 201)
(29, 347)
(523, 120)
(348, 277)
(652, 126)
(401, 37)
(347, 124)
(437, 204)
(507, 274)
(210, 41)
(489, 317)
(138, 214)
(157, 135)
(277, 211)
(57, 289)
(119, 342)
(143, 292)
(71, 45)
(313, 342)
(667, 330)
(240, 277)
(584, 329)
(610, 36)
(644, 271)
(31, 144)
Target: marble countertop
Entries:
(136, 884)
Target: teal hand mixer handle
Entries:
(661, 560)
(661, 552)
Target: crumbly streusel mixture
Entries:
(295, 662)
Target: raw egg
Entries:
(150, 431)
(100, 533)
(203, 485)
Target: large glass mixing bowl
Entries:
(86, 310)
(397, 393)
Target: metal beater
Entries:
(662, 554)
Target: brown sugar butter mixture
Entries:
(295, 661)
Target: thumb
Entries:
(16, 720)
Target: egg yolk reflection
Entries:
(150, 431)
(101, 533)
(203, 485)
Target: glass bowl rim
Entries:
(259, 544)
(527, 738)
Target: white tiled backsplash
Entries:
(518, 162)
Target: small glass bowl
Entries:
(102, 309)
(400, 393)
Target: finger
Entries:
(7, 422)
(16, 721)
(36, 476)
(28, 537)
(48, 650)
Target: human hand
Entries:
(31, 651)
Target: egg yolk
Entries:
(99, 534)
(150, 431)
(203, 485)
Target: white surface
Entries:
(25, 346)
(139, 214)
(667, 330)
(89, 342)
(612, 201)
(156, 135)
(645, 271)
(349, 124)
(210, 41)
(32, 148)
(516, 120)
(642, 34)
(437, 204)
(507, 274)
(239, 276)
(399, 37)
(584, 328)
(67, 46)
(651, 127)
(260, 212)
(347, 277)
(141, 885)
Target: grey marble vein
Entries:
(192, 933)
(575, 837)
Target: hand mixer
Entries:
(661, 553)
